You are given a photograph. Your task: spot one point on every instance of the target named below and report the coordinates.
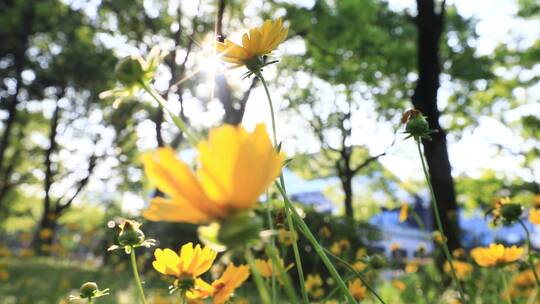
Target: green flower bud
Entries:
(511, 213)
(377, 261)
(88, 290)
(129, 71)
(240, 229)
(130, 234)
(417, 126)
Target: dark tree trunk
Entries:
(346, 183)
(430, 27)
(12, 101)
(49, 215)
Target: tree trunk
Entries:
(346, 183)
(430, 27)
(20, 62)
(49, 216)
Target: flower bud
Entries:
(130, 234)
(377, 261)
(240, 229)
(129, 70)
(416, 124)
(88, 290)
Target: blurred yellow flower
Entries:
(459, 253)
(258, 42)
(314, 285)
(359, 266)
(192, 261)
(45, 233)
(286, 237)
(536, 200)
(361, 252)
(438, 237)
(235, 168)
(463, 269)
(394, 246)
(403, 212)
(4, 275)
(399, 285)
(325, 232)
(338, 247)
(496, 254)
(265, 267)
(222, 288)
(534, 216)
(412, 266)
(357, 289)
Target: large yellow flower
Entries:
(496, 254)
(235, 168)
(191, 263)
(259, 41)
(222, 288)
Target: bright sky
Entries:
(472, 154)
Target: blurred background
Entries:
(69, 161)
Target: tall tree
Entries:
(430, 25)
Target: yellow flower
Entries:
(438, 237)
(496, 254)
(459, 253)
(235, 168)
(463, 269)
(4, 275)
(339, 246)
(313, 285)
(191, 263)
(258, 42)
(534, 216)
(325, 232)
(357, 289)
(399, 285)
(286, 237)
(222, 288)
(361, 252)
(46, 233)
(412, 266)
(403, 212)
(359, 266)
(266, 268)
(394, 246)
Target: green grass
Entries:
(49, 281)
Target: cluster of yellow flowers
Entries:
(190, 264)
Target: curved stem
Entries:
(259, 282)
(529, 252)
(179, 122)
(290, 222)
(136, 275)
(439, 223)
(318, 248)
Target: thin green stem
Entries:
(290, 222)
(272, 115)
(529, 252)
(259, 282)
(291, 294)
(356, 273)
(136, 275)
(272, 243)
(505, 288)
(178, 121)
(418, 220)
(318, 248)
(90, 300)
(439, 222)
